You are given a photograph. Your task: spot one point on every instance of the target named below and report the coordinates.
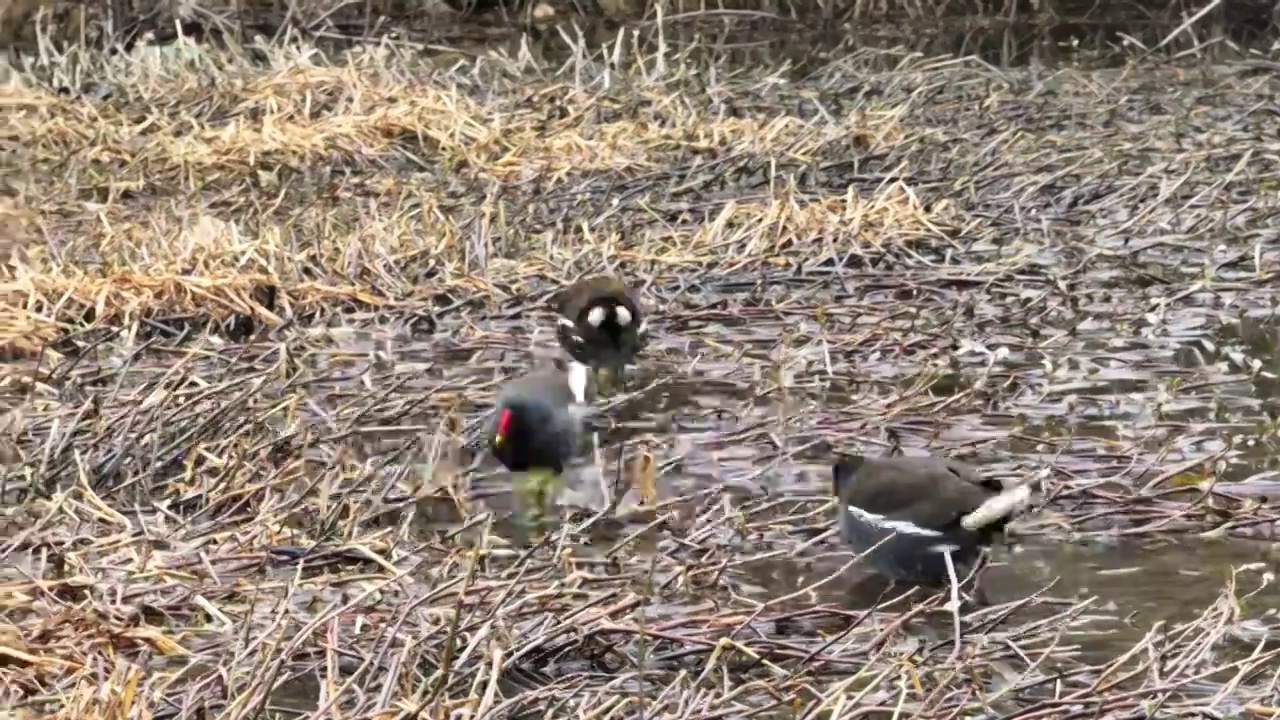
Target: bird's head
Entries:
(516, 427)
(843, 472)
(503, 429)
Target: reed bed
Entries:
(259, 298)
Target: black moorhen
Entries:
(601, 323)
(537, 423)
(930, 503)
(929, 516)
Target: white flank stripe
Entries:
(997, 507)
(573, 329)
(900, 526)
(944, 549)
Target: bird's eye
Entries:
(596, 316)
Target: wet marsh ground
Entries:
(259, 306)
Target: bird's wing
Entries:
(926, 493)
(970, 475)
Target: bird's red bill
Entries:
(504, 425)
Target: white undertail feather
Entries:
(576, 375)
(623, 315)
(596, 316)
(1000, 506)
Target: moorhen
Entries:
(931, 503)
(601, 324)
(537, 423)
(928, 516)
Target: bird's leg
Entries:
(979, 595)
(601, 375)
(524, 490)
(607, 495)
(955, 600)
(531, 495)
(542, 482)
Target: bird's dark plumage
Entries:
(923, 500)
(537, 420)
(601, 322)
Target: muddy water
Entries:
(1123, 588)
(1130, 570)
(1132, 579)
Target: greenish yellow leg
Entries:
(606, 378)
(538, 487)
(527, 509)
(542, 481)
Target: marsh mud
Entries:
(245, 462)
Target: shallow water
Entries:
(1133, 568)
(1128, 586)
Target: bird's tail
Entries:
(577, 375)
(997, 508)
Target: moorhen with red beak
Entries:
(537, 423)
(601, 324)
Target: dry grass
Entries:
(238, 483)
(243, 152)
